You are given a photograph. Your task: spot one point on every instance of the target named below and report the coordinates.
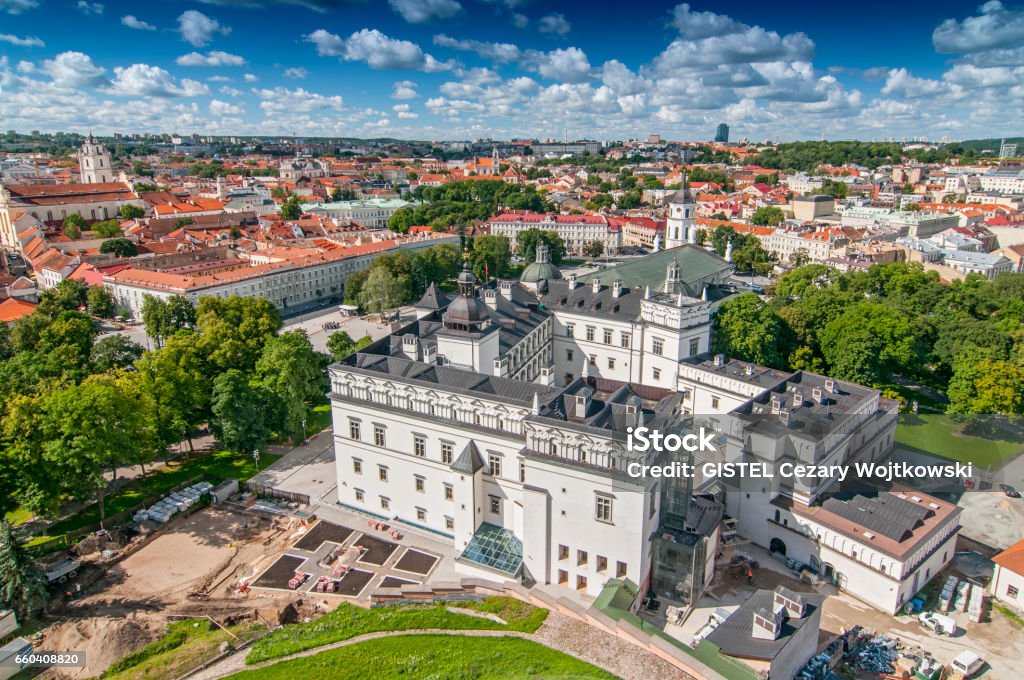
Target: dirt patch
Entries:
(352, 583)
(416, 562)
(187, 570)
(103, 639)
(377, 550)
(279, 573)
(321, 533)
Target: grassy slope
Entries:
(185, 645)
(348, 621)
(426, 657)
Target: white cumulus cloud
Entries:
(87, 8)
(198, 29)
(219, 108)
(144, 80)
(73, 69)
(995, 27)
(131, 21)
(377, 50)
(214, 58)
(27, 41)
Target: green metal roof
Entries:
(695, 264)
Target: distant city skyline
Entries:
(463, 69)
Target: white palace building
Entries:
(499, 421)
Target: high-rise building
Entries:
(722, 135)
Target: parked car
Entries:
(1009, 491)
(942, 625)
(967, 663)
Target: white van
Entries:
(942, 625)
(967, 663)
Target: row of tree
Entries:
(461, 203)
(75, 408)
(892, 320)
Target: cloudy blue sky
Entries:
(456, 69)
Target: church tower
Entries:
(94, 162)
(681, 224)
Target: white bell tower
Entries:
(681, 224)
(94, 162)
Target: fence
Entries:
(271, 492)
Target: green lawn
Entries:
(348, 621)
(214, 466)
(186, 645)
(430, 657)
(983, 440)
(319, 419)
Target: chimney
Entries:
(647, 293)
(536, 403)
(719, 360)
(572, 282)
(617, 288)
(597, 285)
(490, 298)
(798, 399)
(776, 404)
(749, 370)
(817, 395)
(830, 385)
(784, 417)
(501, 367)
(506, 289)
(791, 602)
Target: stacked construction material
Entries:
(179, 501)
(948, 593)
(963, 594)
(976, 604)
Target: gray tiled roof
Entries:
(469, 461)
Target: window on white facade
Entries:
(446, 452)
(620, 569)
(625, 339)
(360, 495)
(657, 374)
(421, 515)
(611, 362)
(590, 333)
(382, 473)
(694, 347)
(449, 492)
(714, 402)
(607, 336)
(570, 330)
(385, 503)
(420, 482)
(449, 523)
(568, 355)
(419, 446)
(353, 429)
(581, 558)
(657, 346)
(522, 471)
(1011, 591)
(603, 509)
(495, 505)
(357, 466)
(494, 464)
(378, 435)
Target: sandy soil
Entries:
(132, 602)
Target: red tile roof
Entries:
(13, 309)
(1012, 558)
